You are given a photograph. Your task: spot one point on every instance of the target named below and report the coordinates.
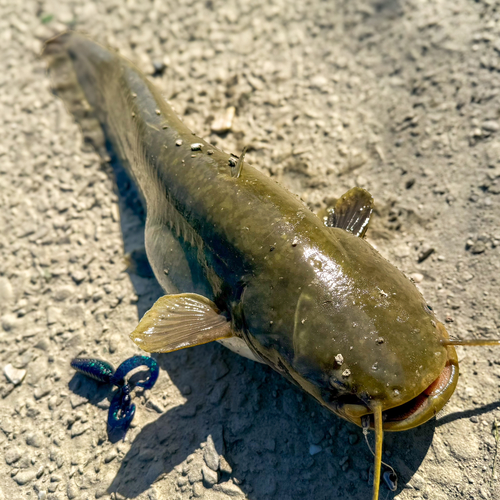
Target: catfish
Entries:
(244, 262)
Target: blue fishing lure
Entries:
(121, 410)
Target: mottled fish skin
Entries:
(299, 293)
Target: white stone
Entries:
(14, 375)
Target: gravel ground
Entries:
(398, 97)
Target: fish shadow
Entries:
(265, 429)
(277, 440)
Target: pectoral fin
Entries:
(352, 212)
(178, 321)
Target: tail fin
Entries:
(65, 84)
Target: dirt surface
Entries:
(401, 98)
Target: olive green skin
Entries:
(298, 292)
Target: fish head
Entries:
(354, 332)
(364, 335)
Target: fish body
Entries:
(316, 303)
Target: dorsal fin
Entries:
(352, 212)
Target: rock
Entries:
(490, 126)
(195, 475)
(42, 344)
(6, 292)
(220, 370)
(114, 343)
(224, 466)
(72, 490)
(223, 122)
(24, 463)
(209, 476)
(6, 425)
(74, 317)
(198, 490)
(14, 375)
(12, 455)
(314, 449)
(42, 390)
(78, 429)
(316, 435)
(110, 456)
(53, 315)
(230, 489)
(478, 247)
(182, 481)
(425, 253)
(210, 454)
(104, 484)
(353, 438)
(25, 477)
(155, 405)
(417, 277)
(37, 370)
(63, 293)
(34, 439)
(9, 322)
(78, 276)
(417, 481)
(76, 400)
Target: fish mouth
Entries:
(421, 408)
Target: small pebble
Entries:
(224, 466)
(159, 68)
(490, 126)
(196, 146)
(6, 292)
(209, 476)
(417, 277)
(210, 454)
(424, 254)
(478, 247)
(110, 456)
(42, 390)
(224, 121)
(230, 489)
(78, 429)
(34, 439)
(339, 359)
(178, 142)
(353, 438)
(25, 477)
(78, 276)
(155, 405)
(12, 455)
(198, 490)
(417, 481)
(182, 481)
(14, 375)
(314, 449)
(72, 490)
(9, 322)
(195, 475)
